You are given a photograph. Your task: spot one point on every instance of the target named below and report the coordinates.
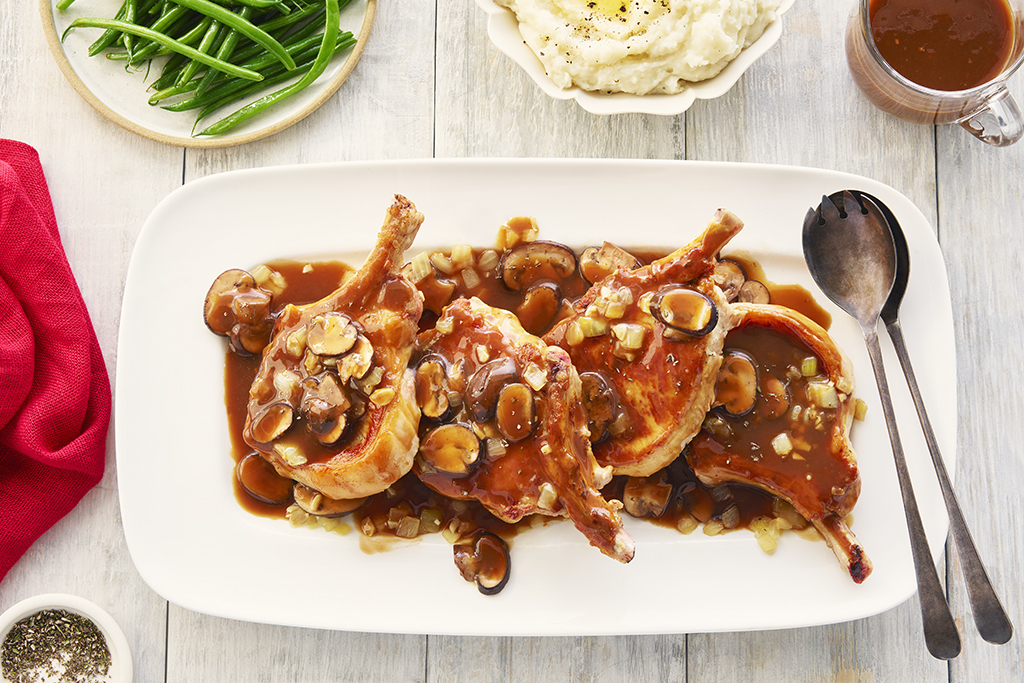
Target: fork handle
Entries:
(989, 616)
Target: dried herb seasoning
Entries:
(55, 645)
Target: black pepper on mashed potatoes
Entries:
(639, 46)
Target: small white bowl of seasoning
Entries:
(56, 637)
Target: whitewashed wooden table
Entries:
(431, 85)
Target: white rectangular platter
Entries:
(195, 546)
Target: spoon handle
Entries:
(989, 616)
(940, 632)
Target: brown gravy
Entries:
(382, 513)
(944, 44)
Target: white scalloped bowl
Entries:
(120, 655)
(503, 30)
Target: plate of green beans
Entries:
(206, 73)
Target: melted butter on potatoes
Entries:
(639, 46)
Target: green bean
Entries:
(253, 54)
(235, 89)
(246, 28)
(129, 15)
(225, 52)
(286, 20)
(161, 25)
(205, 46)
(108, 37)
(249, 89)
(277, 4)
(167, 42)
(169, 84)
(323, 58)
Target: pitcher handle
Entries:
(998, 121)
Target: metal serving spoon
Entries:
(850, 253)
(989, 616)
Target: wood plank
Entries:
(649, 658)
(103, 182)
(980, 229)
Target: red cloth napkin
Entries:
(54, 390)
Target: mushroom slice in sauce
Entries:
(774, 398)
(261, 481)
(527, 263)
(600, 403)
(646, 496)
(515, 412)
(358, 361)
(729, 276)
(315, 503)
(754, 292)
(540, 308)
(684, 309)
(485, 385)
(237, 308)
(736, 385)
(453, 449)
(431, 387)
(331, 334)
(324, 404)
(486, 561)
(597, 264)
(272, 422)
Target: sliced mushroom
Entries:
(432, 387)
(527, 263)
(515, 411)
(237, 308)
(600, 403)
(597, 264)
(261, 481)
(685, 310)
(736, 385)
(331, 334)
(646, 496)
(324, 404)
(729, 276)
(485, 385)
(357, 362)
(272, 422)
(217, 308)
(540, 307)
(754, 292)
(315, 503)
(774, 398)
(248, 340)
(486, 561)
(453, 449)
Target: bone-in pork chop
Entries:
(333, 404)
(783, 423)
(504, 424)
(647, 343)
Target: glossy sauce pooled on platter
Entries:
(307, 282)
(484, 470)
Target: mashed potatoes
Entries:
(639, 46)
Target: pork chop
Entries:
(504, 424)
(648, 344)
(333, 404)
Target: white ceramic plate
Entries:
(503, 30)
(196, 547)
(121, 95)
